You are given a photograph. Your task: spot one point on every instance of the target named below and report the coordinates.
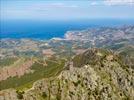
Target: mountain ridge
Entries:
(100, 76)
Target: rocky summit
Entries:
(96, 74)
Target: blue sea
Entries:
(49, 29)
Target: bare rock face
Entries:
(13, 71)
(8, 95)
(94, 75)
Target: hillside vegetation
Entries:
(96, 74)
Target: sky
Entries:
(66, 9)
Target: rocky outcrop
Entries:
(8, 95)
(18, 70)
(95, 74)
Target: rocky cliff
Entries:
(96, 74)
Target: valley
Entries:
(94, 64)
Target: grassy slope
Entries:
(26, 80)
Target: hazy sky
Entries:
(66, 9)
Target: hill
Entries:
(96, 74)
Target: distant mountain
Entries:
(96, 74)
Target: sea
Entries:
(52, 28)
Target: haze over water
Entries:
(50, 29)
